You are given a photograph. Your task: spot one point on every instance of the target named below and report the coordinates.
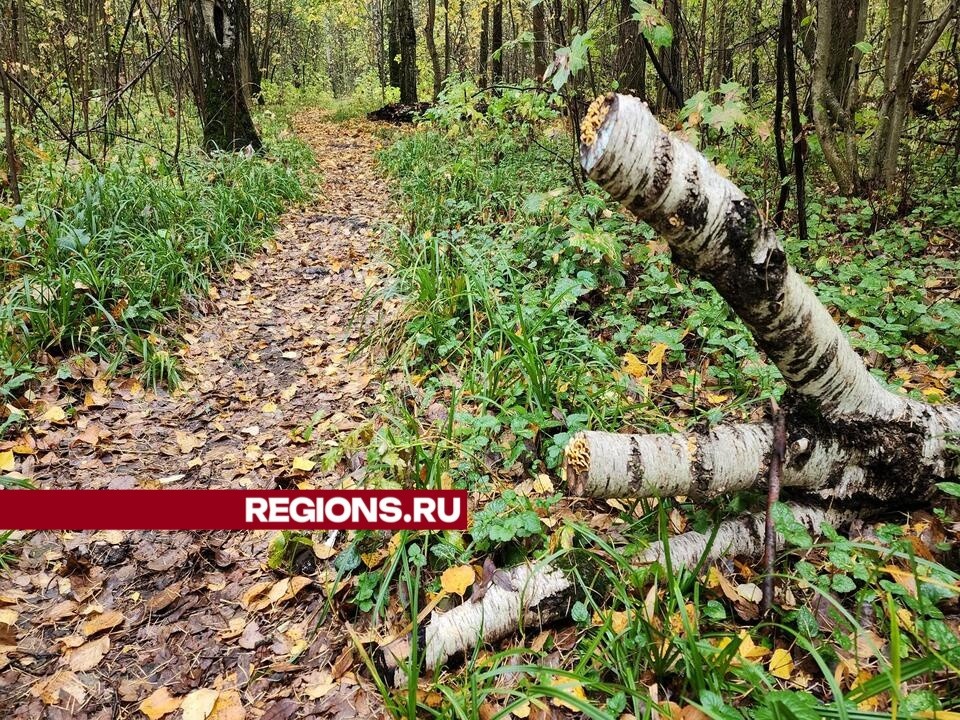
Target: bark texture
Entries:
(528, 595)
(219, 70)
(849, 439)
(742, 537)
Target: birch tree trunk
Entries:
(851, 441)
(525, 596)
(218, 55)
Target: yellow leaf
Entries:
(781, 664)
(6, 461)
(934, 394)
(633, 366)
(918, 350)
(715, 399)
(229, 706)
(571, 687)
(656, 354)
(456, 580)
(241, 274)
(269, 407)
(747, 649)
(54, 414)
(543, 484)
(303, 463)
(199, 704)
(159, 703)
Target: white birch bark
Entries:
(526, 595)
(742, 537)
(898, 447)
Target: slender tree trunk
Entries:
(753, 86)
(214, 31)
(393, 44)
(835, 28)
(446, 38)
(484, 45)
(496, 41)
(906, 49)
(539, 40)
(798, 134)
(407, 37)
(13, 174)
(671, 58)
(10, 52)
(432, 46)
(632, 63)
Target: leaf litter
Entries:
(194, 624)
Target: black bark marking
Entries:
(693, 208)
(662, 172)
(218, 24)
(825, 360)
(701, 471)
(635, 467)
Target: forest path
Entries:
(94, 624)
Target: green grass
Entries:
(98, 261)
(523, 299)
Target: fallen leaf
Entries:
(256, 597)
(303, 463)
(229, 706)
(571, 687)
(6, 461)
(54, 414)
(781, 664)
(633, 366)
(456, 580)
(159, 703)
(63, 682)
(104, 621)
(656, 355)
(199, 704)
(188, 442)
(86, 657)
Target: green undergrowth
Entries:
(97, 261)
(533, 309)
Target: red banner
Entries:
(233, 510)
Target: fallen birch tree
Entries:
(526, 595)
(853, 447)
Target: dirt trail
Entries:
(91, 624)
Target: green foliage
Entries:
(529, 306)
(653, 24)
(97, 261)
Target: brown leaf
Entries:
(104, 621)
(86, 657)
(55, 690)
(163, 599)
(281, 710)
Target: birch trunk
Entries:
(526, 596)
(849, 438)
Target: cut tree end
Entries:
(576, 464)
(592, 135)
